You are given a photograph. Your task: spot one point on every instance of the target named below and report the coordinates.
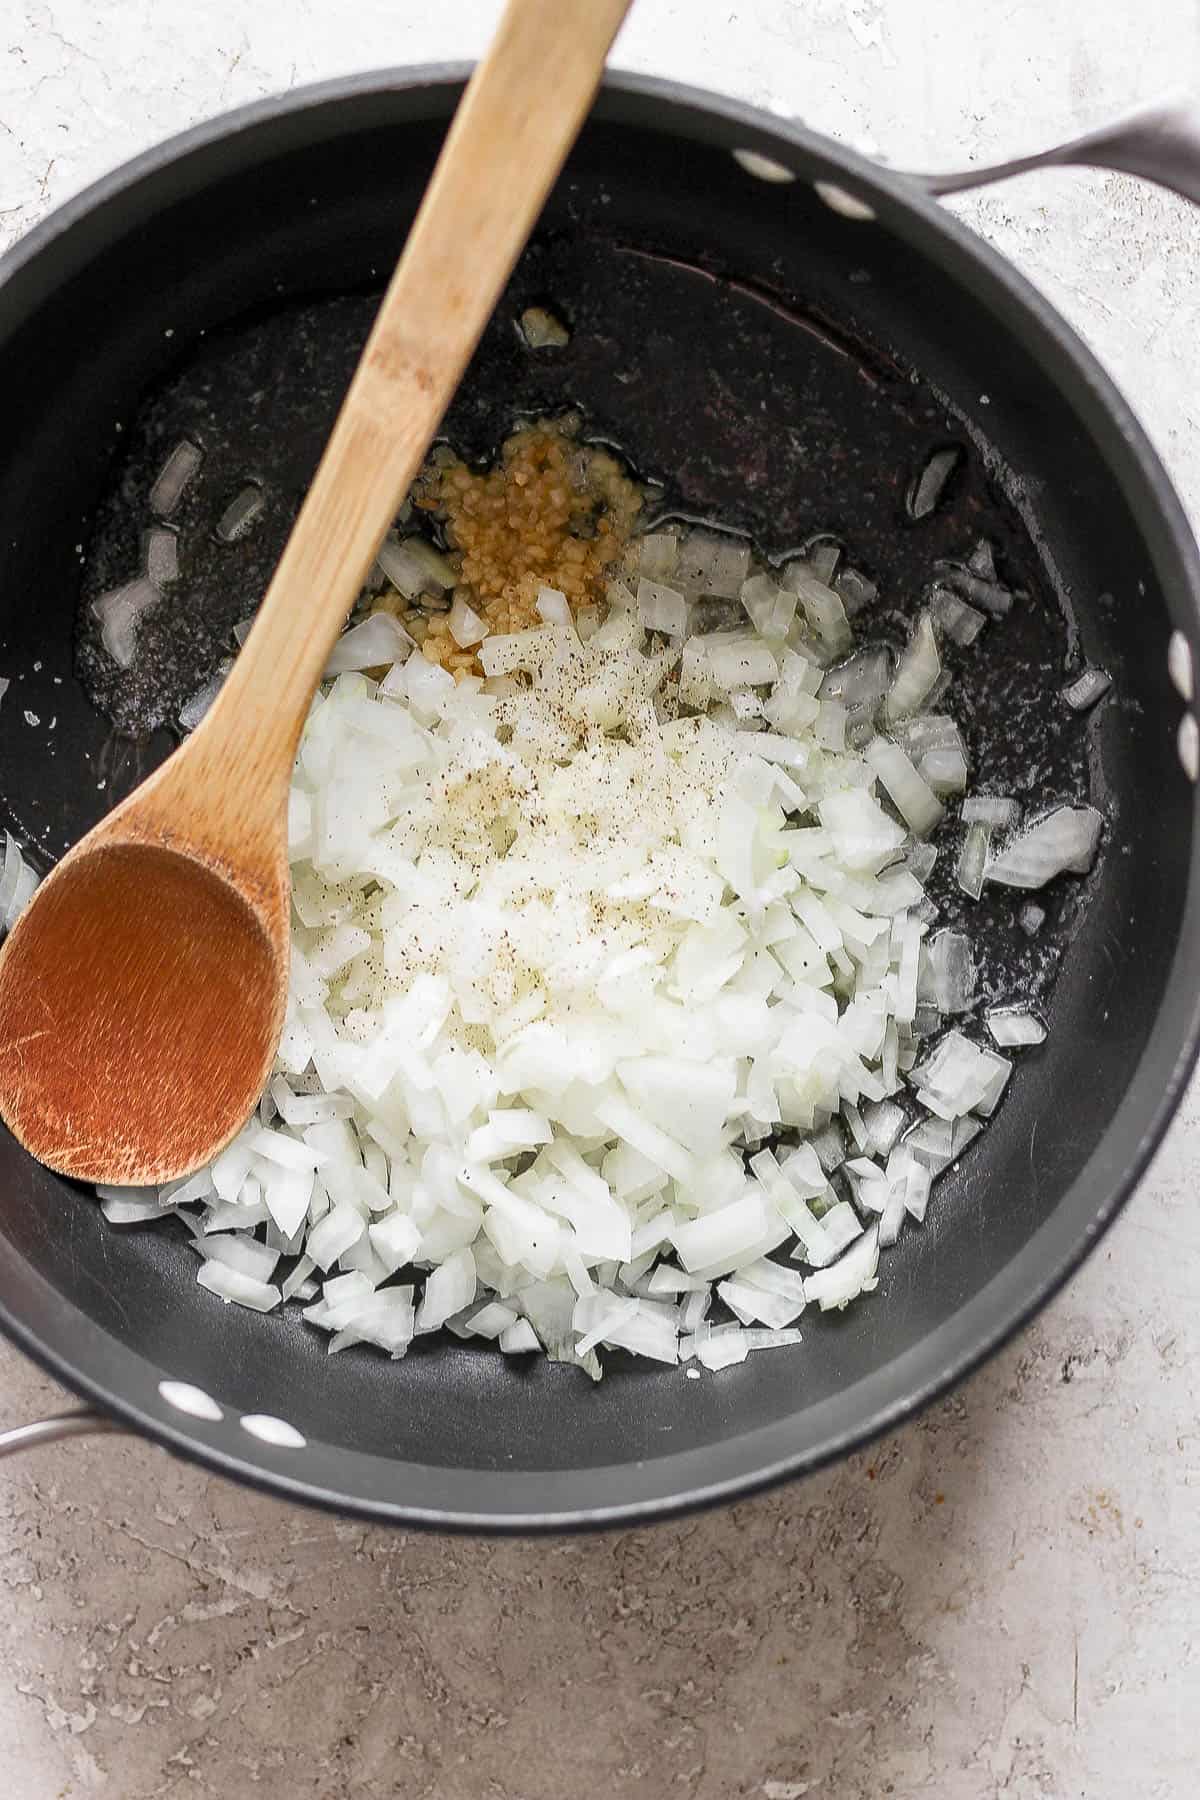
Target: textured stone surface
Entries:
(1000, 1600)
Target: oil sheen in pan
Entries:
(752, 442)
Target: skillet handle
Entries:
(82, 1422)
(1161, 143)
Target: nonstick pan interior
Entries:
(779, 367)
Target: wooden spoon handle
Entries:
(509, 138)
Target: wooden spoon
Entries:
(142, 991)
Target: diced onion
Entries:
(17, 884)
(174, 476)
(1065, 840)
(711, 564)
(855, 590)
(661, 608)
(929, 485)
(193, 710)
(952, 971)
(960, 621)
(1012, 1027)
(977, 590)
(845, 1279)
(541, 330)
(240, 514)
(916, 802)
(612, 992)
(376, 642)
(230, 1284)
(822, 608)
(162, 557)
(972, 864)
(120, 612)
(991, 809)
(658, 555)
(1086, 689)
(916, 672)
(414, 567)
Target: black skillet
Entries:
(779, 365)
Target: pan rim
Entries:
(1022, 1287)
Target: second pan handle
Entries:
(84, 1422)
(1161, 143)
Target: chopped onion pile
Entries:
(611, 971)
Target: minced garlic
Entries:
(551, 512)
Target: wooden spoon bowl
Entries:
(142, 1002)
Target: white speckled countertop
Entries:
(1000, 1600)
